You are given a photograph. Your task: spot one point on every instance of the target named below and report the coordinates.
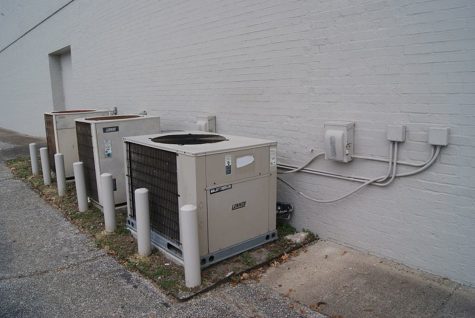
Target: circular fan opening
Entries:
(188, 139)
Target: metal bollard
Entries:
(108, 205)
(45, 166)
(80, 182)
(60, 174)
(34, 159)
(190, 244)
(143, 222)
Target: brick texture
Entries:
(279, 70)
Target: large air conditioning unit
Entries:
(61, 135)
(231, 180)
(101, 149)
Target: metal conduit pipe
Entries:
(404, 163)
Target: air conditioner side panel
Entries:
(110, 149)
(238, 213)
(68, 146)
(192, 190)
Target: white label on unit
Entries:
(107, 148)
(228, 161)
(273, 156)
(244, 161)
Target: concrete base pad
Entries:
(337, 280)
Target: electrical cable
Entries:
(393, 176)
(304, 165)
(388, 173)
(355, 190)
(332, 200)
(375, 181)
(427, 165)
(404, 163)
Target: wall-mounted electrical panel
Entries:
(439, 136)
(206, 123)
(339, 140)
(396, 133)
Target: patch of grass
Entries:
(247, 259)
(156, 267)
(284, 229)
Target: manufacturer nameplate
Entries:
(220, 189)
(110, 129)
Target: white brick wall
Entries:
(280, 69)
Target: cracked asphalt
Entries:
(48, 268)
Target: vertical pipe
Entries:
(108, 205)
(190, 244)
(45, 166)
(80, 181)
(34, 159)
(60, 173)
(143, 222)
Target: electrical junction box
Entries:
(396, 133)
(230, 179)
(339, 140)
(439, 136)
(101, 149)
(61, 135)
(207, 123)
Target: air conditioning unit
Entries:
(101, 149)
(231, 180)
(61, 135)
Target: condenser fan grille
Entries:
(50, 140)
(155, 170)
(188, 139)
(86, 155)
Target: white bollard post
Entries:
(143, 222)
(80, 182)
(34, 159)
(60, 174)
(45, 166)
(190, 244)
(108, 204)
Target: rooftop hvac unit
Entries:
(231, 180)
(101, 149)
(61, 135)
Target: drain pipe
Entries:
(108, 204)
(45, 166)
(60, 174)
(34, 159)
(143, 222)
(190, 245)
(79, 180)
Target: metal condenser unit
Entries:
(231, 180)
(101, 149)
(61, 135)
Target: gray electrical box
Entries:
(339, 140)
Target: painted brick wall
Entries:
(279, 70)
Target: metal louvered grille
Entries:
(86, 155)
(156, 170)
(50, 140)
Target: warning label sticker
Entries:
(228, 162)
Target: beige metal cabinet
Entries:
(101, 149)
(231, 180)
(61, 135)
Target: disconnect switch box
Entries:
(339, 140)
